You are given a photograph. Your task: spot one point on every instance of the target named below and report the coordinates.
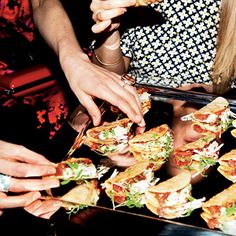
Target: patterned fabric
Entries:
(179, 51)
(50, 106)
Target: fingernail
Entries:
(55, 183)
(140, 120)
(95, 120)
(57, 204)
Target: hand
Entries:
(106, 13)
(88, 80)
(21, 163)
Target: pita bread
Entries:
(226, 196)
(86, 193)
(93, 133)
(225, 169)
(213, 107)
(173, 184)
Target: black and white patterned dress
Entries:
(181, 50)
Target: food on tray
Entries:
(145, 2)
(227, 165)
(145, 100)
(215, 117)
(199, 155)
(76, 169)
(172, 198)
(83, 195)
(127, 188)
(109, 138)
(220, 210)
(155, 144)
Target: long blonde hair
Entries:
(224, 71)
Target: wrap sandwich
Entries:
(83, 195)
(127, 188)
(172, 198)
(109, 138)
(75, 169)
(215, 117)
(155, 144)
(199, 155)
(220, 210)
(227, 165)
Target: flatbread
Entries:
(173, 184)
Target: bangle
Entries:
(103, 63)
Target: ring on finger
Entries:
(127, 79)
(4, 182)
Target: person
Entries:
(83, 77)
(192, 43)
(189, 46)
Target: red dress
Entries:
(50, 106)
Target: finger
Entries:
(101, 26)
(91, 107)
(25, 185)
(109, 14)
(44, 208)
(18, 152)
(18, 201)
(19, 169)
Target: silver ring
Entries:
(127, 79)
(4, 182)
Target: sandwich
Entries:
(109, 138)
(127, 188)
(155, 144)
(75, 169)
(145, 2)
(172, 198)
(199, 155)
(215, 117)
(144, 98)
(220, 210)
(227, 165)
(83, 195)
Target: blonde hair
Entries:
(224, 71)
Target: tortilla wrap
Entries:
(224, 168)
(93, 133)
(86, 193)
(173, 184)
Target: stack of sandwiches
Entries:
(199, 155)
(172, 198)
(109, 138)
(227, 165)
(220, 211)
(127, 188)
(154, 145)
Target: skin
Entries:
(82, 75)
(27, 169)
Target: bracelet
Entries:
(103, 63)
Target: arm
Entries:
(82, 75)
(106, 15)
(26, 169)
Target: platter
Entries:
(161, 112)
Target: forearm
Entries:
(109, 54)
(56, 28)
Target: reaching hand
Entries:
(24, 168)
